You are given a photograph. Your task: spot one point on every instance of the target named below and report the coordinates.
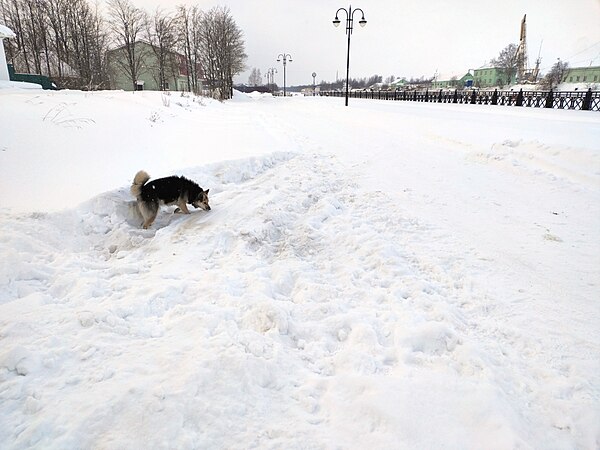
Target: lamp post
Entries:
(273, 71)
(349, 25)
(314, 75)
(271, 76)
(286, 57)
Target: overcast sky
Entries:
(405, 38)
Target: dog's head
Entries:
(201, 200)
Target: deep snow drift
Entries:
(386, 275)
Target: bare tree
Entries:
(507, 62)
(98, 48)
(189, 22)
(87, 42)
(222, 48)
(56, 10)
(32, 21)
(127, 25)
(161, 34)
(556, 75)
(255, 78)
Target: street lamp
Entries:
(314, 75)
(286, 57)
(271, 76)
(349, 25)
(272, 71)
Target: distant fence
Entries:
(587, 101)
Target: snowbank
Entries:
(18, 85)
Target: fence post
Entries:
(455, 96)
(495, 97)
(426, 95)
(520, 98)
(549, 99)
(440, 97)
(473, 97)
(415, 96)
(587, 101)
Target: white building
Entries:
(4, 33)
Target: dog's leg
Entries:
(149, 221)
(182, 208)
(149, 212)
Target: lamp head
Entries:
(336, 22)
(362, 22)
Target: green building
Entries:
(453, 81)
(176, 73)
(398, 83)
(582, 75)
(491, 77)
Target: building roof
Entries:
(6, 32)
(446, 76)
(487, 66)
(584, 68)
(452, 76)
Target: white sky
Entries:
(405, 38)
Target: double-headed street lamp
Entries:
(271, 77)
(286, 57)
(349, 25)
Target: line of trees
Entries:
(59, 38)
(255, 78)
(556, 75)
(378, 80)
(354, 83)
(68, 40)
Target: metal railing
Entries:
(580, 100)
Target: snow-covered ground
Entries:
(387, 275)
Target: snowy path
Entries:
(313, 307)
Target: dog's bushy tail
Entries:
(139, 180)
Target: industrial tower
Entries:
(523, 73)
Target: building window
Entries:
(577, 77)
(585, 78)
(595, 77)
(571, 79)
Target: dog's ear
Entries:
(206, 191)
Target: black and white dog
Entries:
(172, 190)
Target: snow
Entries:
(4, 84)
(6, 32)
(387, 275)
(578, 87)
